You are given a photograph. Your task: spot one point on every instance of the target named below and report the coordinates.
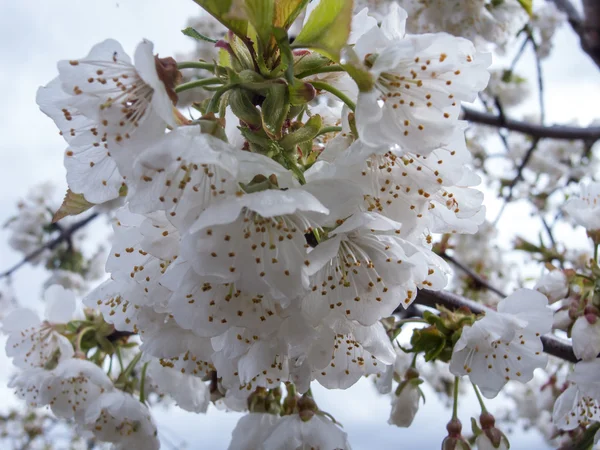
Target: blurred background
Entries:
(35, 34)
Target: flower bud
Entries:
(455, 440)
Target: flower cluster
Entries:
(264, 239)
(55, 373)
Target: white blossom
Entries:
(504, 345)
(585, 209)
(189, 391)
(585, 376)
(573, 409)
(292, 433)
(547, 18)
(36, 343)
(107, 109)
(553, 285)
(586, 338)
(420, 82)
(69, 389)
(252, 430)
(120, 418)
(405, 405)
(484, 443)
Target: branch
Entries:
(478, 279)
(65, 235)
(552, 345)
(554, 132)
(587, 28)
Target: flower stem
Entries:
(80, 337)
(130, 367)
(197, 83)
(326, 130)
(196, 65)
(120, 358)
(339, 94)
(143, 383)
(326, 69)
(479, 399)
(455, 405)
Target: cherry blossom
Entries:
(420, 82)
(572, 409)
(585, 209)
(293, 433)
(586, 338)
(553, 285)
(107, 109)
(504, 345)
(119, 418)
(36, 343)
(405, 405)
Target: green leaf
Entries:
(286, 12)
(327, 29)
(72, 205)
(306, 133)
(189, 31)
(275, 109)
(527, 6)
(260, 14)
(220, 9)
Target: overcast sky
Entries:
(35, 34)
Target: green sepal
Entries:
(306, 133)
(474, 427)
(105, 344)
(244, 108)
(429, 341)
(301, 92)
(275, 109)
(357, 70)
(309, 61)
(327, 28)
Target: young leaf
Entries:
(260, 14)
(527, 6)
(189, 31)
(286, 12)
(220, 9)
(275, 109)
(327, 29)
(72, 205)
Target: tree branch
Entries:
(478, 279)
(65, 235)
(538, 131)
(552, 345)
(587, 28)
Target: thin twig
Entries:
(478, 279)
(519, 54)
(518, 177)
(552, 345)
(65, 235)
(535, 130)
(540, 79)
